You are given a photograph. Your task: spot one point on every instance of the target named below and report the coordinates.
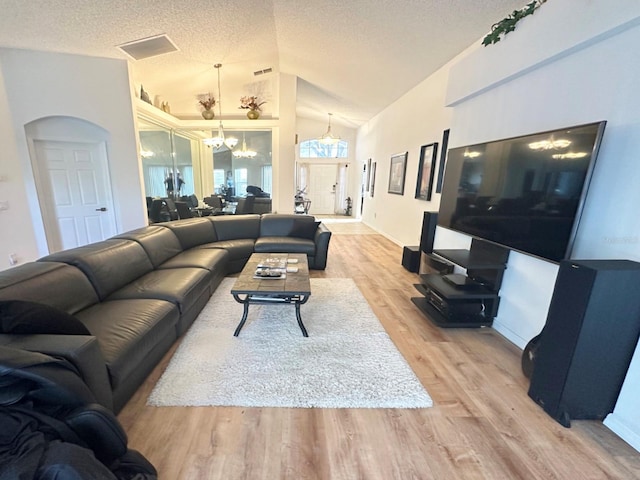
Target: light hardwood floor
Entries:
(482, 426)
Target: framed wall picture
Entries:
(373, 178)
(426, 169)
(368, 177)
(443, 159)
(397, 173)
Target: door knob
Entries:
(101, 209)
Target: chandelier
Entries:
(219, 140)
(328, 138)
(550, 144)
(244, 152)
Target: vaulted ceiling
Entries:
(351, 57)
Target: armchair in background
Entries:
(214, 202)
(183, 210)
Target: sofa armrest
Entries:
(321, 239)
(82, 351)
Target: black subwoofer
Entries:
(411, 258)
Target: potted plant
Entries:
(207, 102)
(252, 104)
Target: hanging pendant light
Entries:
(244, 152)
(328, 138)
(219, 140)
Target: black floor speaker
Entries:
(429, 222)
(588, 340)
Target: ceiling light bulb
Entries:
(230, 142)
(215, 142)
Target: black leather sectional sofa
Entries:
(138, 292)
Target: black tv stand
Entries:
(456, 300)
(461, 281)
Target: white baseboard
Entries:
(384, 234)
(618, 426)
(509, 334)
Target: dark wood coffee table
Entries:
(294, 288)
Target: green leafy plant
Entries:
(508, 24)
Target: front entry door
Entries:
(321, 189)
(74, 192)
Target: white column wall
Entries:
(284, 159)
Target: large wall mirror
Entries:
(245, 169)
(177, 164)
(170, 161)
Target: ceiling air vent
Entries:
(262, 72)
(148, 47)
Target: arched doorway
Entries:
(71, 174)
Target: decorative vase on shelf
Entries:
(253, 114)
(208, 114)
(144, 96)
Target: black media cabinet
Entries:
(473, 303)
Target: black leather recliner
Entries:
(53, 429)
(257, 191)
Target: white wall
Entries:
(573, 62)
(36, 85)
(565, 91)
(16, 236)
(416, 119)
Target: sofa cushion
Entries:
(208, 258)
(285, 245)
(18, 316)
(50, 283)
(192, 232)
(127, 330)
(82, 351)
(159, 242)
(237, 249)
(282, 225)
(231, 227)
(303, 229)
(181, 286)
(109, 265)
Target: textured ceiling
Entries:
(352, 57)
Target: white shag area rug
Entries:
(348, 360)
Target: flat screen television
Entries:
(525, 193)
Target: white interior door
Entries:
(321, 189)
(74, 190)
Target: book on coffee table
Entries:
(273, 263)
(269, 273)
